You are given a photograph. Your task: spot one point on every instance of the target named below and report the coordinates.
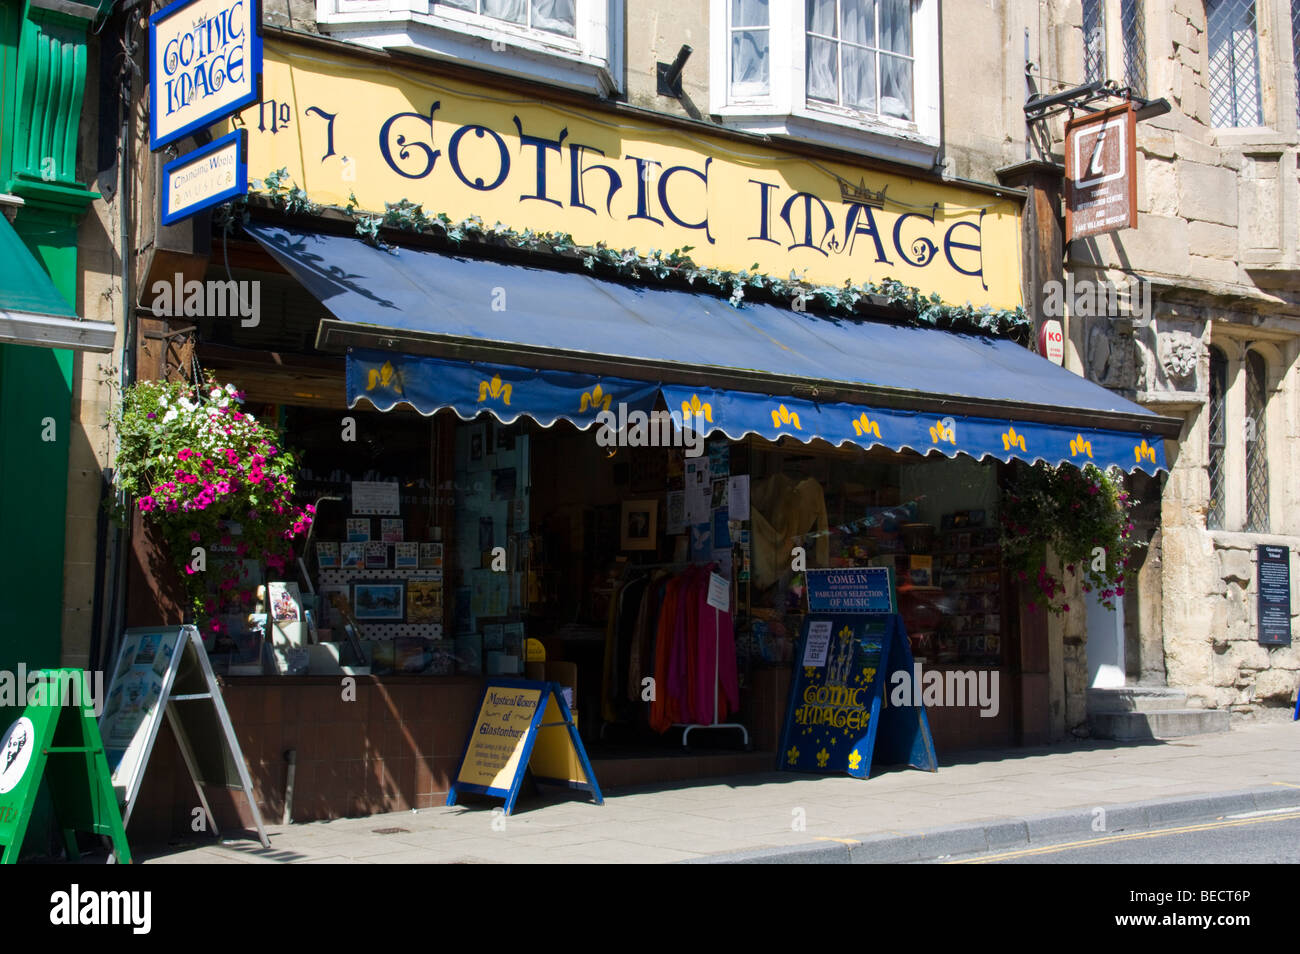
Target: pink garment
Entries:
(715, 634)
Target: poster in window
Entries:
(638, 525)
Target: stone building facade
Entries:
(1190, 619)
(1216, 342)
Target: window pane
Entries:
(859, 78)
(1094, 41)
(1256, 438)
(822, 73)
(749, 13)
(516, 11)
(470, 5)
(555, 16)
(1133, 28)
(1234, 63)
(896, 87)
(896, 28)
(749, 57)
(1218, 387)
(858, 22)
(1295, 50)
(821, 17)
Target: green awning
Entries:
(32, 312)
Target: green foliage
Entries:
(208, 475)
(1084, 516)
(917, 308)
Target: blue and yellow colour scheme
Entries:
(673, 333)
(430, 384)
(522, 724)
(468, 388)
(838, 719)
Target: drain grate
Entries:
(392, 831)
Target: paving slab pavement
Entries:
(989, 799)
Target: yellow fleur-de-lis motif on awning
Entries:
(1144, 450)
(863, 425)
(783, 415)
(385, 376)
(792, 756)
(594, 398)
(943, 431)
(855, 759)
(1011, 439)
(494, 389)
(823, 757)
(695, 407)
(1079, 446)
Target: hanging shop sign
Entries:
(862, 589)
(1273, 584)
(166, 670)
(56, 741)
(205, 63)
(1101, 172)
(205, 177)
(346, 128)
(522, 725)
(838, 719)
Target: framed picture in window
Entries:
(379, 602)
(637, 527)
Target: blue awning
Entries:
(556, 334)
(471, 387)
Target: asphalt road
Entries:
(1256, 838)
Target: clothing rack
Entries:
(717, 643)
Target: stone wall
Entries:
(1216, 238)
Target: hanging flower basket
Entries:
(216, 483)
(1083, 515)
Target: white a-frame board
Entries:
(159, 670)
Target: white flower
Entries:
(169, 416)
(162, 400)
(230, 389)
(215, 393)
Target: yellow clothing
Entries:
(783, 515)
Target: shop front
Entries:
(528, 450)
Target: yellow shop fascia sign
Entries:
(345, 127)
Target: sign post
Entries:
(520, 725)
(205, 63)
(839, 719)
(1101, 172)
(56, 739)
(1273, 583)
(167, 670)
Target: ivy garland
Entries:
(920, 310)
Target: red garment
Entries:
(715, 647)
(661, 719)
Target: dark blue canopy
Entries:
(653, 333)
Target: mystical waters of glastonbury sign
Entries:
(343, 126)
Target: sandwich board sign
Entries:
(838, 718)
(166, 670)
(522, 725)
(56, 739)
